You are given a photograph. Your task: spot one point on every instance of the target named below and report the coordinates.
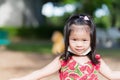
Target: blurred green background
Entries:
(32, 30)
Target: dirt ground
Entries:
(16, 64)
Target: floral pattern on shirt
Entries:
(71, 70)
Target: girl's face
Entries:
(79, 39)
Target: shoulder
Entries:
(56, 60)
(64, 62)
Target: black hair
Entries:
(79, 19)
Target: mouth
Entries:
(79, 50)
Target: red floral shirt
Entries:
(72, 70)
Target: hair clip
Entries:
(86, 18)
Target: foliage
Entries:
(41, 32)
(36, 47)
(82, 6)
(11, 31)
(58, 21)
(86, 6)
(90, 6)
(102, 22)
(70, 1)
(114, 6)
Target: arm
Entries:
(107, 72)
(49, 69)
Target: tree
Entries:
(114, 7)
(87, 6)
(36, 7)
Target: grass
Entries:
(46, 46)
(38, 47)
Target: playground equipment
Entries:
(4, 40)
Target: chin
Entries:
(78, 53)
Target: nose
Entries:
(79, 44)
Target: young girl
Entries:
(79, 61)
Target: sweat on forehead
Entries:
(76, 28)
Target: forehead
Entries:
(79, 34)
(80, 28)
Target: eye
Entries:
(85, 40)
(73, 39)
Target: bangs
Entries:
(79, 28)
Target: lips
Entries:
(79, 50)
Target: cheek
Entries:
(88, 44)
(71, 44)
